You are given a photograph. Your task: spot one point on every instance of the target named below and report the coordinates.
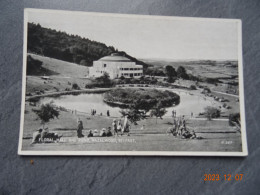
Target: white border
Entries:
(138, 153)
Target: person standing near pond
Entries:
(80, 128)
(108, 114)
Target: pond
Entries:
(85, 102)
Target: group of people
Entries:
(118, 127)
(179, 128)
(103, 133)
(42, 135)
(93, 112)
(173, 113)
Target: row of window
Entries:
(100, 71)
(130, 68)
(132, 74)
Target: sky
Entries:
(146, 37)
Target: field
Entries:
(146, 136)
(209, 69)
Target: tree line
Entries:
(70, 48)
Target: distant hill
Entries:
(161, 63)
(70, 48)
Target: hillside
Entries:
(202, 68)
(65, 47)
(49, 66)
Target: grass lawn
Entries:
(146, 136)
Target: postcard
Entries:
(131, 85)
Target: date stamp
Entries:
(225, 177)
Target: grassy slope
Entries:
(66, 74)
(62, 68)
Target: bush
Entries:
(89, 86)
(234, 118)
(75, 86)
(193, 87)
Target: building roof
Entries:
(114, 57)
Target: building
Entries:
(116, 66)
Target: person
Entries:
(183, 120)
(80, 128)
(174, 127)
(37, 136)
(191, 114)
(44, 134)
(103, 133)
(108, 133)
(114, 126)
(90, 134)
(193, 135)
(126, 127)
(178, 129)
(119, 127)
(108, 113)
(95, 134)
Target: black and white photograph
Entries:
(119, 84)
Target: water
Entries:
(85, 102)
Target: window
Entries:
(126, 68)
(131, 68)
(105, 65)
(126, 74)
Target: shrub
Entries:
(234, 118)
(193, 87)
(75, 86)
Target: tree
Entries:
(75, 86)
(234, 120)
(158, 111)
(181, 73)
(212, 112)
(170, 71)
(104, 81)
(134, 113)
(46, 113)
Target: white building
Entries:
(116, 66)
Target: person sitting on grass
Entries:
(103, 133)
(90, 134)
(43, 136)
(109, 133)
(37, 136)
